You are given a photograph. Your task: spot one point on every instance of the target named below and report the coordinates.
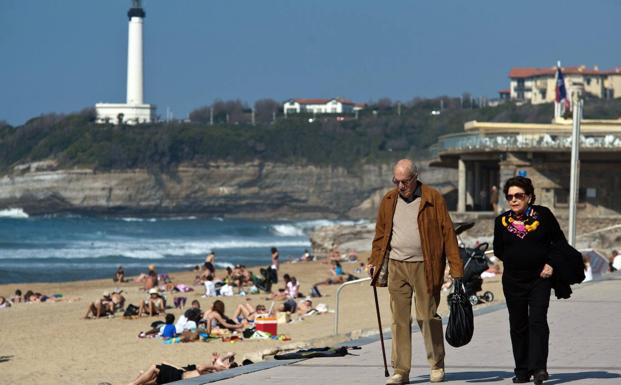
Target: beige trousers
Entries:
(405, 279)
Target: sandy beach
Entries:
(51, 343)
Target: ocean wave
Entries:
(142, 249)
(298, 229)
(287, 230)
(130, 219)
(13, 213)
(133, 219)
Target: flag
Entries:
(561, 91)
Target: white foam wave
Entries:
(142, 248)
(130, 219)
(133, 219)
(13, 213)
(287, 230)
(299, 229)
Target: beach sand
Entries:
(50, 343)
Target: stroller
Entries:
(475, 263)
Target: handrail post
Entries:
(338, 293)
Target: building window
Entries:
(561, 197)
(587, 81)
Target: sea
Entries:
(58, 248)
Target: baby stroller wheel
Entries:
(488, 296)
(473, 299)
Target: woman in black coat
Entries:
(522, 240)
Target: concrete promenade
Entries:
(585, 348)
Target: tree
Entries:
(264, 110)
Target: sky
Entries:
(63, 56)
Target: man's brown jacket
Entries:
(437, 236)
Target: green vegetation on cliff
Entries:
(383, 132)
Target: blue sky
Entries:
(62, 56)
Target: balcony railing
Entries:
(476, 142)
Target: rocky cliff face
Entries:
(253, 189)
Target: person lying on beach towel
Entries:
(4, 303)
(154, 305)
(217, 319)
(165, 373)
(165, 330)
(245, 312)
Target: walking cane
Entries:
(379, 323)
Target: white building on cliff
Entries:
(134, 111)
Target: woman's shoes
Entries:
(520, 379)
(540, 376)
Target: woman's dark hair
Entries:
(218, 306)
(522, 182)
(28, 294)
(274, 250)
(18, 292)
(286, 277)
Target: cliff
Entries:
(253, 189)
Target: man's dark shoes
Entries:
(540, 376)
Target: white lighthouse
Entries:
(134, 111)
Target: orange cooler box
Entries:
(267, 324)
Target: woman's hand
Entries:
(547, 271)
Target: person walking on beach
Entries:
(524, 237)
(414, 235)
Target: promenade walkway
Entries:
(585, 348)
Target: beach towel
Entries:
(316, 352)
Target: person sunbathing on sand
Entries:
(119, 274)
(166, 373)
(245, 312)
(154, 305)
(17, 297)
(217, 319)
(4, 302)
(118, 300)
(337, 275)
(100, 308)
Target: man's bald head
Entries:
(406, 166)
(405, 174)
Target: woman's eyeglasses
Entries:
(518, 196)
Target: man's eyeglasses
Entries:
(518, 196)
(404, 182)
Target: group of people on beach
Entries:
(32, 297)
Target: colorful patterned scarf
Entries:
(522, 224)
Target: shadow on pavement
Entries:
(496, 376)
(470, 377)
(5, 358)
(562, 378)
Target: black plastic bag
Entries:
(460, 326)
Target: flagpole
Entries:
(557, 103)
(574, 180)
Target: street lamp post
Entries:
(574, 180)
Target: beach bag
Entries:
(131, 310)
(460, 326)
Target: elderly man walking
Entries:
(414, 235)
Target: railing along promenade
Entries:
(477, 142)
